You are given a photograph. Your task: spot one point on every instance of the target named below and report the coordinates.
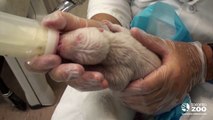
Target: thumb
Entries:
(151, 42)
(63, 21)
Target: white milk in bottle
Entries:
(24, 38)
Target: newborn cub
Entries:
(121, 57)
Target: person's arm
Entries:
(115, 11)
(208, 51)
(104, 16)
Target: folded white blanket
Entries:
(69, 107)
(71, 104)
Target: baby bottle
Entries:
(24, 38)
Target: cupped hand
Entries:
(183, 66)
(71, 73)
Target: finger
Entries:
(43, 63)
(66, 72)
(98, 77)
(154, 80)
(89, 81)
(147, 99)
(151, 83)
(162, 98)
(63, 21)
(168, 102)
(167, 106)
(153, 43)
(142, 100)
(149, 110)
(156, 96)
(133, 89)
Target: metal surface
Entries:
(62, 5)
(67, 5)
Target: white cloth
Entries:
(70, 105)
(97, 105)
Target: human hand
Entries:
(183, 66)
(53, 63)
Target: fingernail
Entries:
(139, 30)
(51, 17)
(104, 84)
(44, 65)
(28, 65)
(28, 62)
(55, 20)
(72, 74)
(46, 19)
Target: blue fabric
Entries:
(160, 19)
(175, 113)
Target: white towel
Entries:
(69, 107)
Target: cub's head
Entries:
(87, 46)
